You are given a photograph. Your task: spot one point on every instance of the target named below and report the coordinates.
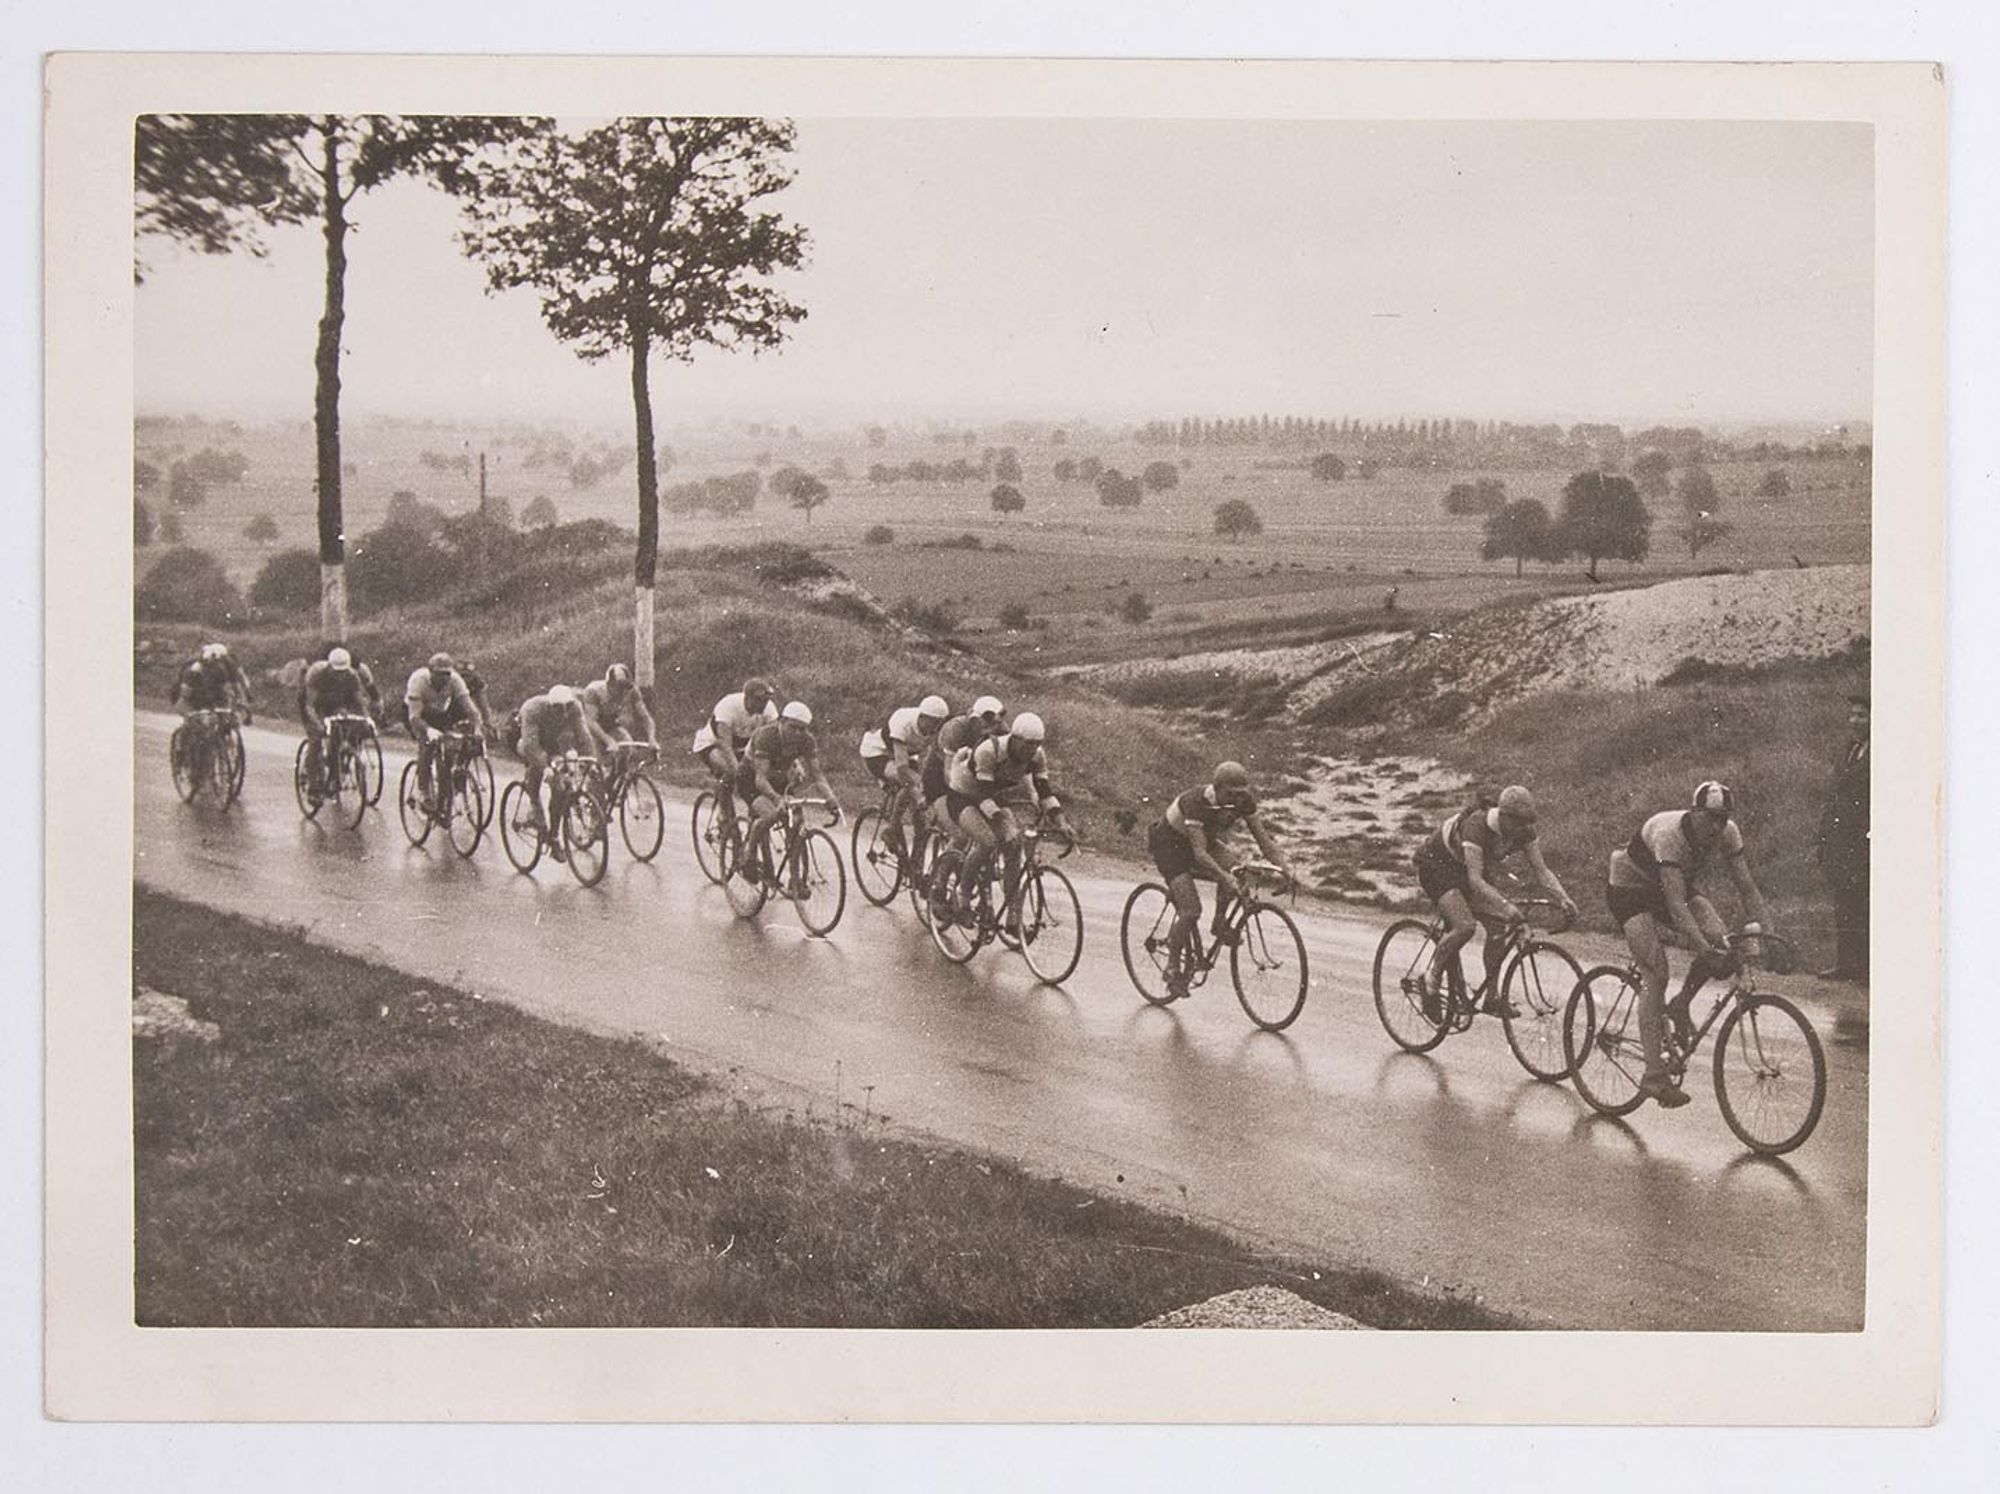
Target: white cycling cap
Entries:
(800, 712)
(987, 705)
(934, 706)
(561, 695)
(340, 658)
(1028, 727)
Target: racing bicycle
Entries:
(1044, 921)
(576, 830)
(885, 864)
(206, 752)
(457, 797)
(803, 867)
(629, 788)
(334, 768)
(718, 825)
(1536, 977)
(1770, 1070)
(1267, 954)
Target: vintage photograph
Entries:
(1227, 700)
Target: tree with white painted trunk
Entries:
(216, 183)
(644, 236)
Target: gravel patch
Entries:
(159, 1016)
(1254, 1307)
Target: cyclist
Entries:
(436, 700)
(1186, 846)
(334, 684)
(892, 753)
(552, 724)
(615, 711)
(475, 686)
(957, 734)
(211, 681)
(1455, 868)
(983, 781)
(780, 753)
(1655, 894)
(727, 731)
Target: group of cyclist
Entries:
(971, 776)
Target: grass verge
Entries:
(357, 1149)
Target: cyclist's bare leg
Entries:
(1460, 926)
(1649, 953)
(536, 762)
(980, 842)
(1007, 832)
(722, 763)
(1185, 894)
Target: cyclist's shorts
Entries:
(1627, 903)
(447, 719)
(935, 786)
(956, 805)
(878, 767)
(1173, 852)
(1440, 872)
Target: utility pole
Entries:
(482, 484)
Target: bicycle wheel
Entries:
(1770, 1075)
(1144, 931)
(1416, 1022)
(377, 773)
(878, 869)
(232, 751)
(587, 838)
(918, 880)
(1051, 925)
(1601, 1041)
(520, 836)
(711, 836)
(1537, 983)
(956, 935)
(350, 787)
(819, 882)
(305, 784)
(414, 812)
(1268, 965)
(465, 816)
(489, 793)
(741, 876)
(642, 817)
(181, 762)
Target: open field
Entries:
(355, 1147)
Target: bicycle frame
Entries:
(1202, 957)
(1512, 937)
(1741, 988)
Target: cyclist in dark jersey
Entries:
(333, 685)
(1455, 868)
(212, 681)
(957, 734)
(780, 754)
(1186, 843)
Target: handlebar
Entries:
(1774, 952)
(645, 752)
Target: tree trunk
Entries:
(645, 568)
(326, 398)
(1592, 572)
(1518, 560)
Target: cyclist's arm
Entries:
(1746, 889)
(413, 712)
(1485, 896)
(817, 781)
(1546, 878)
(643, 724)
(1206, 859)
(1674, 892)
(600, 739)
(760, 771)
(1266, 843)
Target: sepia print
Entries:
(763, 718)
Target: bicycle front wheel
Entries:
(1770, 1075)
(587, 839)
(520, 836)
(489, 792)
(642, 818)
(1268, 964)
(1145, 931)
(1537, 985)
(741, 876)
(414, 812)
(305, 787)
(1415, 1020)
(819, 882)
(181, 755)
(350, 787)
(465, 821)
(711, 837)
(377, 773)
(878, 869)
(1601, 1041)
(955, 934)
(1051, 925)
(235, 759)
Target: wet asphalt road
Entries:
(1453, 1168)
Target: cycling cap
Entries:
(800, 712)
(934, 707)
(215, 650)
(340, 658)
(1715, 797)
(440, 661)
(1517, 803)
(561, 695)
(618, 674)
(987, 705)
(1231, 778)
(1028, 727)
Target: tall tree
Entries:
(1602, 518)
(1699, 500)
(217, 183)
(644, 236)
(1519, 531)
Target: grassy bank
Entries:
(357, 1148)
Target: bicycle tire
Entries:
(642, 817)
(1270, 942)
(586, 838)
(180, 763)
(465, 813)
(955, 940)
(746, 891)
(1050, 911)
(1144, 932)
(1765, 1045)
(378, 769)
(1542, 999)
(520, 836)
(489, 790)
(304, 788)
(350, 788)
(1601, 1041)
(822, 898)
(878, 870)
(918, 882)
(1400, 1001)
(411, 809)
(232, 747)
(711, 838)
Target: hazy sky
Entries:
(1696, 272)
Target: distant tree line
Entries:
(734, 494)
